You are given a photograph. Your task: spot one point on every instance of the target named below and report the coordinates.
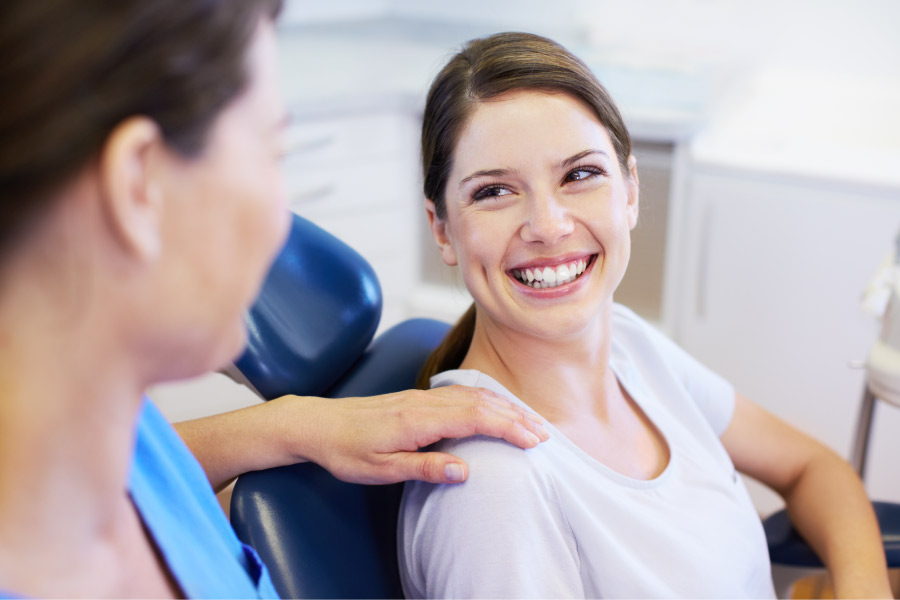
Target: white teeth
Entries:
(548, 277)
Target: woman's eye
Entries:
(490, 191)
(582, 173)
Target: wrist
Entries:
(859, 585)
(297, 428)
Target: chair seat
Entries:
(786, 547)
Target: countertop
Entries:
(823, 126)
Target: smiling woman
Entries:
(578, 210)
(532, 194)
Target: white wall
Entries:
(837, 35)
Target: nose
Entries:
(548, 220)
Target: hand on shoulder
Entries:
(376, 440)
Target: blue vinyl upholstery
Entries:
(321, 537)
(309, 335)
(317, 312)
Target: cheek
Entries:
(262, 215)
(481, 247)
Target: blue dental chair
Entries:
(309, 334)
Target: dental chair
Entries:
(309, 334)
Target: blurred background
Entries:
(768, 143)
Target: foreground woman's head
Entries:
(531, 188)
(139, 147)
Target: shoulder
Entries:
(497, 466)
(497, 469)
(492, 535)
(178, 506)
(160, 451)
(503, 479)
(163, 464)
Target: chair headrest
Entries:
(315, 315)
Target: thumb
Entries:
(433, 467)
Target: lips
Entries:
(552, 275)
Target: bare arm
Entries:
(825, 499)
(362, 440)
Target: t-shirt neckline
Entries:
(484, 380)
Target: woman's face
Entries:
(539, 213)
(226, 216)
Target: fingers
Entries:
(434, 467)
(374, 440)
(480, 411)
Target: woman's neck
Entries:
(68, 401)
(536, 369)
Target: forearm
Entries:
(361, 440)
(829, 507)
(232, 443)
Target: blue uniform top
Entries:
(178, 507)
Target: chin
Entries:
(570, 322)
(223, 350)
(233, 346)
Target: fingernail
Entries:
(454, 472)
(545, 435)
(536, 418)
(534, 439)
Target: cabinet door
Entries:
(771, 285)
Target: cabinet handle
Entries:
(703, 262)
(314, 195)
(305, 146)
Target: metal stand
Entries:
(860, 451)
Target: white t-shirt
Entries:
(552, 522)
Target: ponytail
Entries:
(450, 354)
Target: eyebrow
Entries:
(576, 157)
(563, 164)
(487, 173)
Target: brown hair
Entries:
(484, 69)
(74, 69)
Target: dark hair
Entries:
(72, 70)
(484, 69)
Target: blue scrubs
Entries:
(181, 512)
(174, 498)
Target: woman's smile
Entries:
(553, 274)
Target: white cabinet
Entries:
(770, 283)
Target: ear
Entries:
(633, 185)
(130, 193)
(439, 231)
